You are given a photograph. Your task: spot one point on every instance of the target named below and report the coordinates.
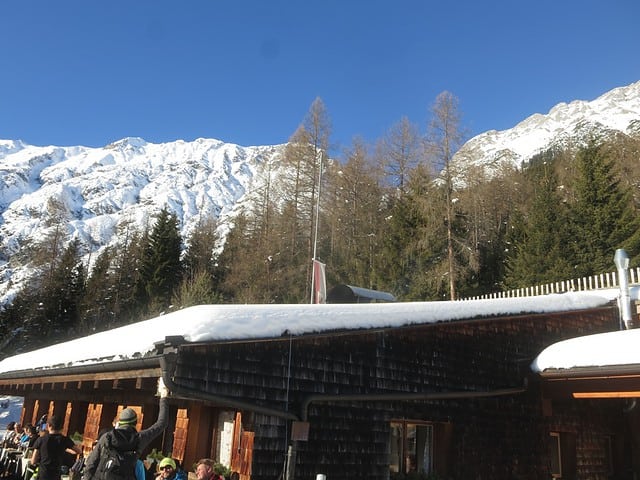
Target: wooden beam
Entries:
(141, 373)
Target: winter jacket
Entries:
(126, 438)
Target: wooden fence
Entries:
(595, 282)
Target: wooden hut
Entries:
(375, 391)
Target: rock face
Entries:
(566, 125)
(91, 193)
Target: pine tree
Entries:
(398, 259)
(62, 290)
(98, 299)
(487, 202)
(234, 262)
(129, 299)
(602, 216)
(200, 280)
(540, 240)
(200, 255)
(161, 269)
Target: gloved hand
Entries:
(163, 391)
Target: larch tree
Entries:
(353, 200)
(304, 160)
(399, 152)
(444, 138)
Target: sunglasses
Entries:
(166, 467)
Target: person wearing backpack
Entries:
(117, 451)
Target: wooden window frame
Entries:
(403, 467)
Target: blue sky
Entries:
(88, 72)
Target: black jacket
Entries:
(126, 438)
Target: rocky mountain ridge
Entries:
(565, 125)
(94, 192)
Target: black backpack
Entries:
(118, 455)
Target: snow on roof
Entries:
(246, 322)
(601, 350)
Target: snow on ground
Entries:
(10, 411)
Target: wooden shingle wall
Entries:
(491, 438)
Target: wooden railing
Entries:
(595, 282)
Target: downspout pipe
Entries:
(621, 260)
(168, 367)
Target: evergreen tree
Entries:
(161, 269)
(539, 248)
(129, 299)
(200, 255)
(61, 293)
(200, 279)
(98, 299)
(235, 263)
(415, 240)
(398, 259)
(603, 218)
(487, 203)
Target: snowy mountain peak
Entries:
(93, 190)
(615, 111)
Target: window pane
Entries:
(424, 448)
(555, 455)
(411, 448)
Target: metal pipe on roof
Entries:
(621, 260)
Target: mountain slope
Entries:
(566, 124)
(91, 191)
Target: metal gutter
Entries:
(383, 397)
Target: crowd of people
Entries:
(115, 454)
(17, 436)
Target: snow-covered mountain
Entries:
(92, 192)
(566, 125)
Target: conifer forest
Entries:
(397, 215)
